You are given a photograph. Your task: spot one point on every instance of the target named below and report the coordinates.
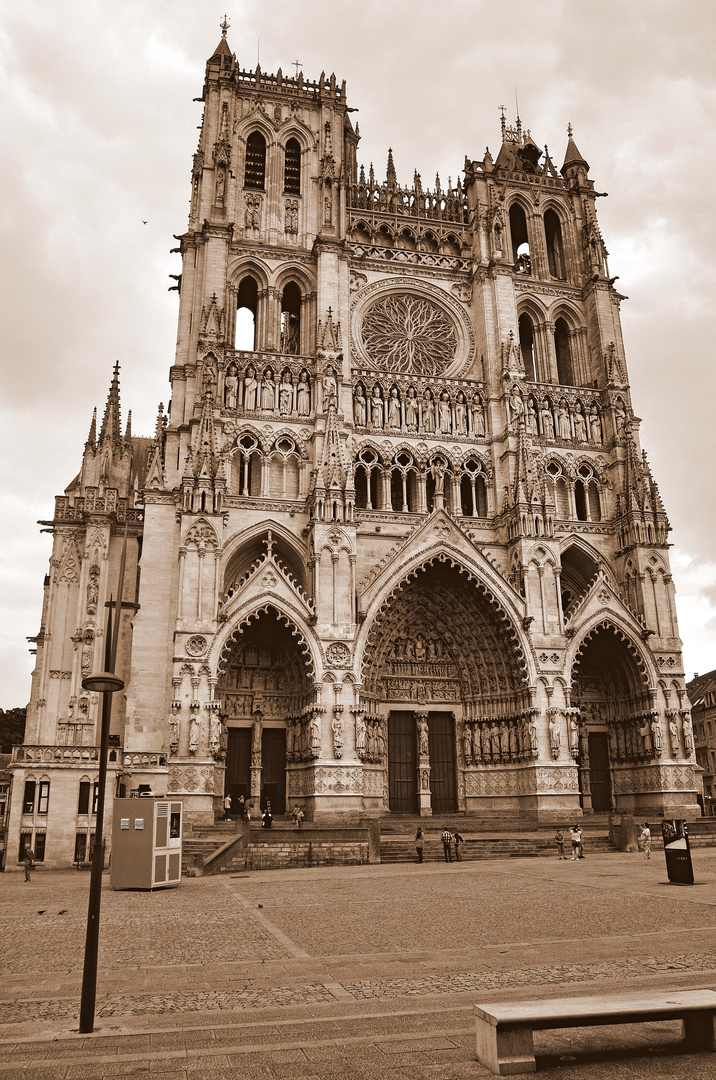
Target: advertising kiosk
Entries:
(146, 843)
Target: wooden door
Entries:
(443, 777)
(600, 774)
(402, 763)
(273, 761)
(238, 761)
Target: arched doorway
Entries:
(264, 681)
(611, 692)
(444, 669)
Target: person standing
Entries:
(28, 859)
(297, 815)
(457, 840)
(575, 835)
(447, 844)
(241, 806)
(419, 843)
(227, 806)
(645, 841)
(559, 841)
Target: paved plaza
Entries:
(350, 972)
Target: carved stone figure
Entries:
(315, 735)
(359, 406)
(330, 389)
(580, 426)
(423, 746)
(394, 409)
(289, 335)
(303, 395)
(428, 412)
(337, 728)
(268, 391)
(215, 735)
(360, 736)
(194, 732)
(93, 589)
(411, 409)
(547, 420)
(554, 736)
(285, 395)
(595, 425)
(174, 732)
(478, 416)
(376, 409)
(517, 407)
(573, 735)
(231, 387)
(220, 185)
(656, 734)
(437, 471)
(250, 389)
(380, 740)
(460, 414)
(531, 416)
(674, 736)
(444, 412)
(687, 732)
(563, 428)
(467, 743)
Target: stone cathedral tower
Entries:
(394, 547)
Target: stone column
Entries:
(424, 796)
(256, 764)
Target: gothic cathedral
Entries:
(394, 547)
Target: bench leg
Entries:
(700, 1031)
(505, 1051)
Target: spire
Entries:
(111, 419)
(572, 156)
(390, 174)
(222, 49)
(128, 429)
(92, 437)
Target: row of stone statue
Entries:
(254, 392)
(215, 732)
(556, 421)
(641, 738)
(492, 743)
(436, 413)
(303, 737)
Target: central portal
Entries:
(403, 762)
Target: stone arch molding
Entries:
(247, 613)
(419, 290)
(620, 625)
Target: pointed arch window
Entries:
(555, 246)
(520, 240)
(255, 169)
(292, 168)
(473, 490)
(563, 349)
(246, 314)
(291, 319)
(527, 346)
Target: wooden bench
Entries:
(504, 1029)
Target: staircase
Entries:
(201, 841)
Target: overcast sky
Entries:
(97, 129)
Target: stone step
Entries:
(394, 850)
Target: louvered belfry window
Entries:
(292, 168)
(255, 172)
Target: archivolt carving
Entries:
(613, 627)
(226, 648)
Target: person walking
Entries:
(419, 843)
(457, 840)
(447, 844)
(241, 806)
(645, 841)
(559, 841)
(28, 859)
(248, 807)
(227, 806)
(575, 835)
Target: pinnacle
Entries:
(111, 419)
(572, 155)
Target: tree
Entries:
(12, 728)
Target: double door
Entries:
(403, 762)
(273, 767)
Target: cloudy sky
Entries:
(97, 130)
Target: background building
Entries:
(702, 694)
(394, 546)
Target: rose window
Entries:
(404, 333)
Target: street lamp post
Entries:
(105, 683)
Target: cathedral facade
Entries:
(394, 546)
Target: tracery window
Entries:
(284, 469)
(247, 304)
(520, 240)
(292, 168)
(560, 490)
(586, 495)
(527, 345)
(563, 349)
(473, 490)
(246, 467)
(555, 246)
(255, 169)
(409, 334)
(404, 483)
(368, 476)
(291, 319)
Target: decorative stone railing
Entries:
(61, 755)
(108, 502)
(404, 255)
(148, 760)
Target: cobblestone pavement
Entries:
(317, 973)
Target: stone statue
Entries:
(554, 735)
(289, 336)
(656, 734)
(428, 412)
(478, 416)
(517, 407)
(359, 406)
(376, 409)
(687, 731)
(531, 416)
(619, 416)
(444, 412)
(250, 389)
(423, 745)
(467, 743)
(268, 395)
(315, 735)
(411, 409)
(460, 414)
(303, 395)
(360, 736)
(580, 426)
(380, 740)
(563, 428)
(231, 387)
(285, 395)
(337, 727)
(674, 736)
(215, 735)
(194, 731)
(394, 409)
(330, 389)
(573, 735)
(547, 420)
(174, 732)
(437, 471)
(595, 425)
